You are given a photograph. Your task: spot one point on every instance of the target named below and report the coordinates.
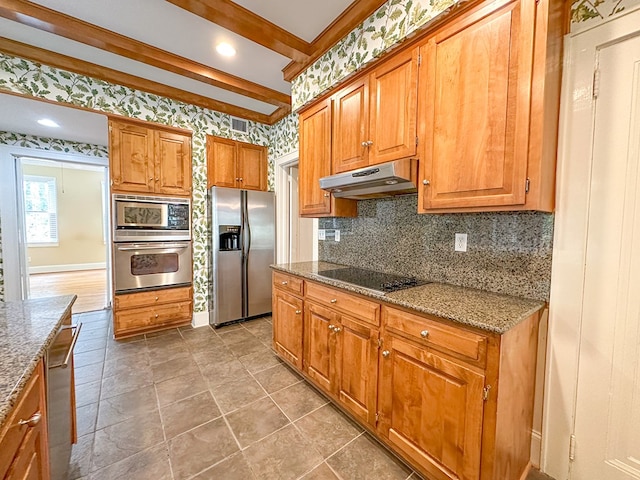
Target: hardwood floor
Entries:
(89, 285)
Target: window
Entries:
(41, 213)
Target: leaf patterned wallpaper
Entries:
(36, 80)
(589, 12)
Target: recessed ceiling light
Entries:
(225, 49)
(48, 122)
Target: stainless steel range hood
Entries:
(382, 180)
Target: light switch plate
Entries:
(337, 236)
(461, 242)
(321, 234)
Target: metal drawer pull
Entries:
(332, 328)
(425, 182)
(386, 353)
(326, 195)
(337, 329)
(33, 421)
(334, 300)
(424, 333)
(298, 312)
(67, 358)
(285, 283)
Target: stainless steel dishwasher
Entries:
(61, 398)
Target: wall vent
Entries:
(239, 125)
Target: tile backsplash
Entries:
(508, 252)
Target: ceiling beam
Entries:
(33, 15)
(82, 67)
(354, 15)
(247, 24)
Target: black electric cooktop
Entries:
(377, 281)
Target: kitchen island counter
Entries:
(489, 311)
(27, 329)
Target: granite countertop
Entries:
(27, 328)
(489, 311)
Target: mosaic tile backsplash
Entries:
(507, 252)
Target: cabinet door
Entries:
(351, 127)
(315, 159)
(221, 162)
(431, 409)
(173, 163)
(357, 368)
(288, 326)
(320, 345)
(475, 83)
(393, 108)
(131, 158)
(252, 166)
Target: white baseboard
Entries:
(200, 319)
(536, 448)
(67, 268)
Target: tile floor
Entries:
(209, 404)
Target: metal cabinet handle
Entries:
(298, 312)
(67, 358)
(326, 195)
(33, 421)
(337, 329)
(150, 179)
(334, 300)
(425, 182)
(157, 299)
(424, 333)
(386, 353)
(240, 179)
(285, 283)
(331, 327)
(368, 143)
(237, 179)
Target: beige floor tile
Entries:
(271, 458)
(321, 472)
(298, 400)
(188, 413)
(328, 429)
(150, 464)
(277, 377)
(260, 360)
(180, 387)
(126, 381)
(128, 363)
(233, 468)
(224, 372)
(364, 459)
(200, 448)
(86, 418)
(159, 353)
(89, 373)
(128, 405)
(80, 462)
(87, 393)
(237, 393)
(173, 368)
(88, 358)
(255, 421)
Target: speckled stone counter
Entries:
(27, 328)
(485, 310)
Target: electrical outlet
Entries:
(321, 234)
(461, 242)
(337, 235)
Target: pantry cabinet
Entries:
(234, 164)
(315, 163)
(143, 160)
(485, 85)
(141, 312)
(374, 117)
(454, 401)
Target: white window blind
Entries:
(41, 210)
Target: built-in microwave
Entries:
(147, 218)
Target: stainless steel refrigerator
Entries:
(242, 246)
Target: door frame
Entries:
(573, 180)
(283, 208)
(13, 248)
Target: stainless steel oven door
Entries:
(148, 265)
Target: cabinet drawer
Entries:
(156, 316)
(430, 332)
(152, 297)
(289, 283)
(13, 435)
(345, 302)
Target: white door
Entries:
(607, 421)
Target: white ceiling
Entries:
(168, 27)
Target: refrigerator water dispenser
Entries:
(229, 237)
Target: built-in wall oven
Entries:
(152, 242)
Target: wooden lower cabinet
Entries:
(287, 326)
(431, 409)
(454, 401)
(23, 438)
(142, 312)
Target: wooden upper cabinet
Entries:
(173, 163)
(374, 117)
(131, 158)
(252, 166)
(474, 109)
(148, 160)
(351, 127)
(234, 164)
(393, 108)
(315, 163)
